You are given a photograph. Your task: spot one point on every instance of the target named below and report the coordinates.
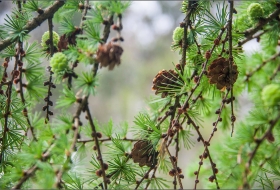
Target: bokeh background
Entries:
(123, 92)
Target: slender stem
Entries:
(231, 62)
(153, 176)
(84, 13)
(273, 57)
(37, 21)
(175, 168)
(142, 179)
(100, 159)
(254, 152)
(50, 23)
(7, 108)
(251, 31)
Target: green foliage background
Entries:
(64, 152)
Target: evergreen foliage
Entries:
(44, 150)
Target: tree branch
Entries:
(249, 33)
(37, 21)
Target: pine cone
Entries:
(109, 55)
(165, 81)
(218, 73)
(143, 154)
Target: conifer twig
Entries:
(275, 72)
(94, 134)
(249, 75)
(31, 171)
(84, 13)
(258, 142)
(175, 168)
(8, 106)
(37, 21)
(107, 139)
(185, 24)
(249, 33)
(142, 179)
(229, 32)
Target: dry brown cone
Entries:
(109, 55)
(142, 154)
(165, 81)
(219, 73)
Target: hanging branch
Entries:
(273, 57)
(258, 142)
(153, 176)
(49, 82)
(37, 21)
(19, 80)
(249, 33)
(191, 7)
(233, 118)
(142, 179)
(94, 135)
(176, 176)
(205, 154)
(275, 72)
(31, 171)
(8, 106)
(86, 7)
(108, 139)
(77, 122)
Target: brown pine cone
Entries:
(166, 81)
(218, 73)
(109, 55)
(142, 153)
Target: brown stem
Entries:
(100, 159)
(37, 21)
(253, 153)
(175, 168)
(273, 57)
(142, 179)
(231, 62)
(153, 176)
(251, 31)
(7, 109)
(50, 23)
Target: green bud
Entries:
(178, 34)
(58, 62)
(255, 11)
(46, 36)
(271, 95)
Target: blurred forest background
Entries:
(123, 92)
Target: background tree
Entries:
(48, 148)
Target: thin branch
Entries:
(142, 179)
(153, 176)
(186, 23)
(254, 152)
(84, 13)
(50, 23)
(273, 57)
(31, 171)
(175, 168)
(7, 108)
(104, 140)
(275, 72)
(231, 62)
(37, 21)
(251, 31)
(100, 159)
